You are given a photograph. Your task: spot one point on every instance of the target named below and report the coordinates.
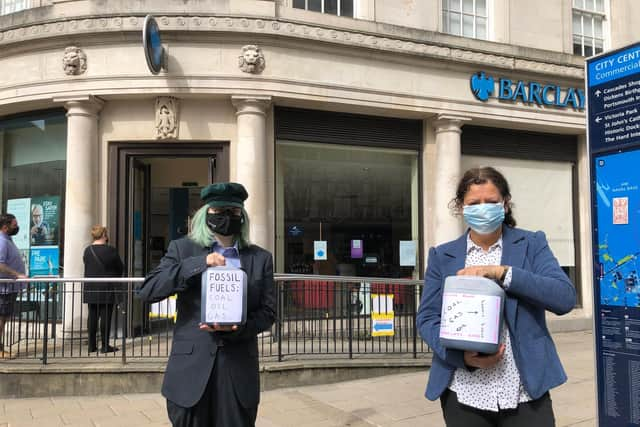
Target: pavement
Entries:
(393, 400)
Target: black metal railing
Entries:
(336, 315)
(317, 316)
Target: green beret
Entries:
(224, 194)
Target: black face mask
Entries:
(14, 231)
(225, 224)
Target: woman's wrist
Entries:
(503, 274)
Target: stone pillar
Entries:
(4, 208)
(81, 200)
(448, 159)
(252, 161)
(585, 240)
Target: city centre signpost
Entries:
(613, 132)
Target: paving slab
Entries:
(387, 401)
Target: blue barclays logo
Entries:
(482, 86)
(529, 93)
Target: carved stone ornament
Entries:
(167, 123)
(74, 61)
(252, 60)
(258, 27)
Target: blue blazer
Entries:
(537, 284)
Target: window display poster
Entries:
(407, 253)
(356, 249)
(20, 208)
(382, 315)
(24, 253)
(45, 220)
(44, 261)
(165, 309)
(320, 250)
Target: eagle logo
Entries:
(482, 86)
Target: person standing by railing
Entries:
(510, 387)
(212, 376)
(101, 260)
(11, 267)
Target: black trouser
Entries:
(535, 413)
(218, 407)
(101, 312)
(7, 304)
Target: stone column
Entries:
(448, 159)
(81, 200)
(584, 239)
(2, 163)
(252, 161)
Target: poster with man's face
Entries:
(44, 227)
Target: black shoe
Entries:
(109, 349)
(93, 349)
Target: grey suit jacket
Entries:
(194, 351)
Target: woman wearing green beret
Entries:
(212, 376)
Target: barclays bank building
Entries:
(349, 122)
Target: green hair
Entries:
(202, 235)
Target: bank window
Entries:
(33, 151)
(12, 6)
(332, 7)
(589, 19)
(346, 210)
(554, 183)
(467, 18)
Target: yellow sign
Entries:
(382, 315)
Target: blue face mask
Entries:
(484, 218)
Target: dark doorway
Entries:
(153, 190)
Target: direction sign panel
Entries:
(613, 131)
(614, 99)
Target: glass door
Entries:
(139, 177)
(139, 184)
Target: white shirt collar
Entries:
(472, 247)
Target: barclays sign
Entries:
(485, 87)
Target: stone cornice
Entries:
(76, 28)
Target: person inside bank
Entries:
(212, 376)
(510, 387)
(101, 260)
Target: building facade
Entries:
(349, 122)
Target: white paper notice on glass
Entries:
(320, 250)
(470, 317)
(21, 209)
(408, 253)
(224, 296)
